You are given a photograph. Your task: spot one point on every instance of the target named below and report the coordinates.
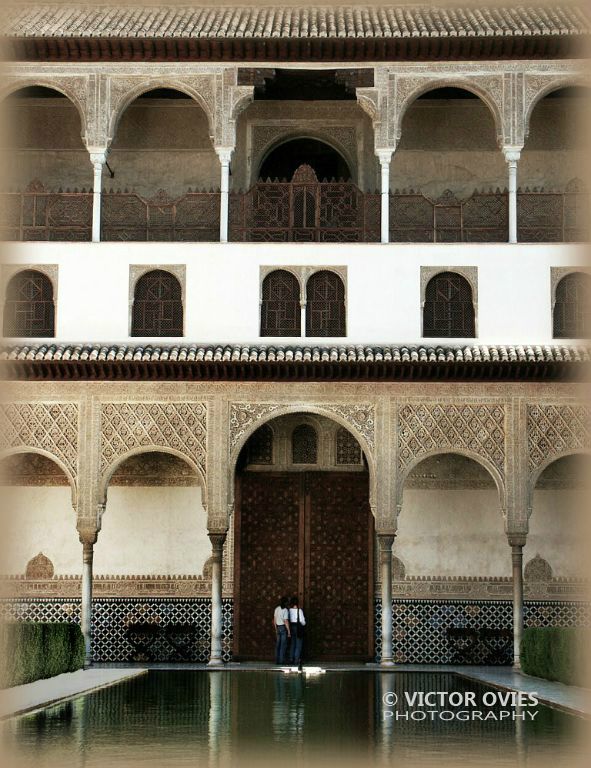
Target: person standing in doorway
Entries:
(282, 630)
(297, 624)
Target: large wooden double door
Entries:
(310, 534)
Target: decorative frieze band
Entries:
(555, 430)
(475, 428)
(359, 417)
(179, 426)
(50, 426)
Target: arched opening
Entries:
(29, 308)
(448, 311)
(282, 162)
(153, 544)
(303, 526)
(447, 174)
(571, 314)
(326, 314)
(157, 305)
(280, 304)
(165, 171)
(553, 204)
(450, 544)
(47, 174)
(39, 536)
(556, 542)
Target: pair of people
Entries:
(289, 622)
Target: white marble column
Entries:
(86, 609)
(303, 316)
(385, 157)
(217, 547)
(98, 159)
(225, 155)
(512, 155)
(385, 542)
(517, 543)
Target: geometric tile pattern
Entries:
(112, 617)
(420, 626)
(52, 427)
(478, 428)
(556, 429)
(181, 426)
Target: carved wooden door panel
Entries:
(311, 534)
(267, 558)
(339, 567)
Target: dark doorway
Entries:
(311, 534)
(284, 160)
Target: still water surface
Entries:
(198, 718)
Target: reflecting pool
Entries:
(181, 718)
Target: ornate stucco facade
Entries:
(125, 456)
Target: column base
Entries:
(387, 663)
(517, 665)
(215, 663)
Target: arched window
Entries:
(280, 308)
(348, 449)
(304, 445)
(29, 310)
(448, 310)
(157, 305)
(325, 305)
(571, 308)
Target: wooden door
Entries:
(309, 534)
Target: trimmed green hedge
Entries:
(34, 650)
(554, 653)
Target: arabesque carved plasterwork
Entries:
(361, 417)
(51, 427)
(554, 430)
(180, 426)
(476, 428)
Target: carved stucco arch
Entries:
(276, 410)
(59, 86)
(468, 454)
(546, 87)
(535, 475)
(23, 449)
(294, 134)
(124, 100)
(138, 451)
(475, 86)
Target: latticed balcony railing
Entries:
(303, 210)
(542, 216)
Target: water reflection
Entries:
(214, 719)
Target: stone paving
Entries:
(41, 693)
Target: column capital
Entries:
(512, 153)
(217, 539)
(98, 155)
(386, 540)
(517, 539)
(224, 154)
(384, 154)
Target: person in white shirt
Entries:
(282, 630)
(297, 622)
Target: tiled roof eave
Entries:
(292, 362)
(361, 21)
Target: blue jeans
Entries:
(281, 645)
(296, 644)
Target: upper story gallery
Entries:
(358, 125)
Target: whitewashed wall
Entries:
(223, 287)
(156, 530)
